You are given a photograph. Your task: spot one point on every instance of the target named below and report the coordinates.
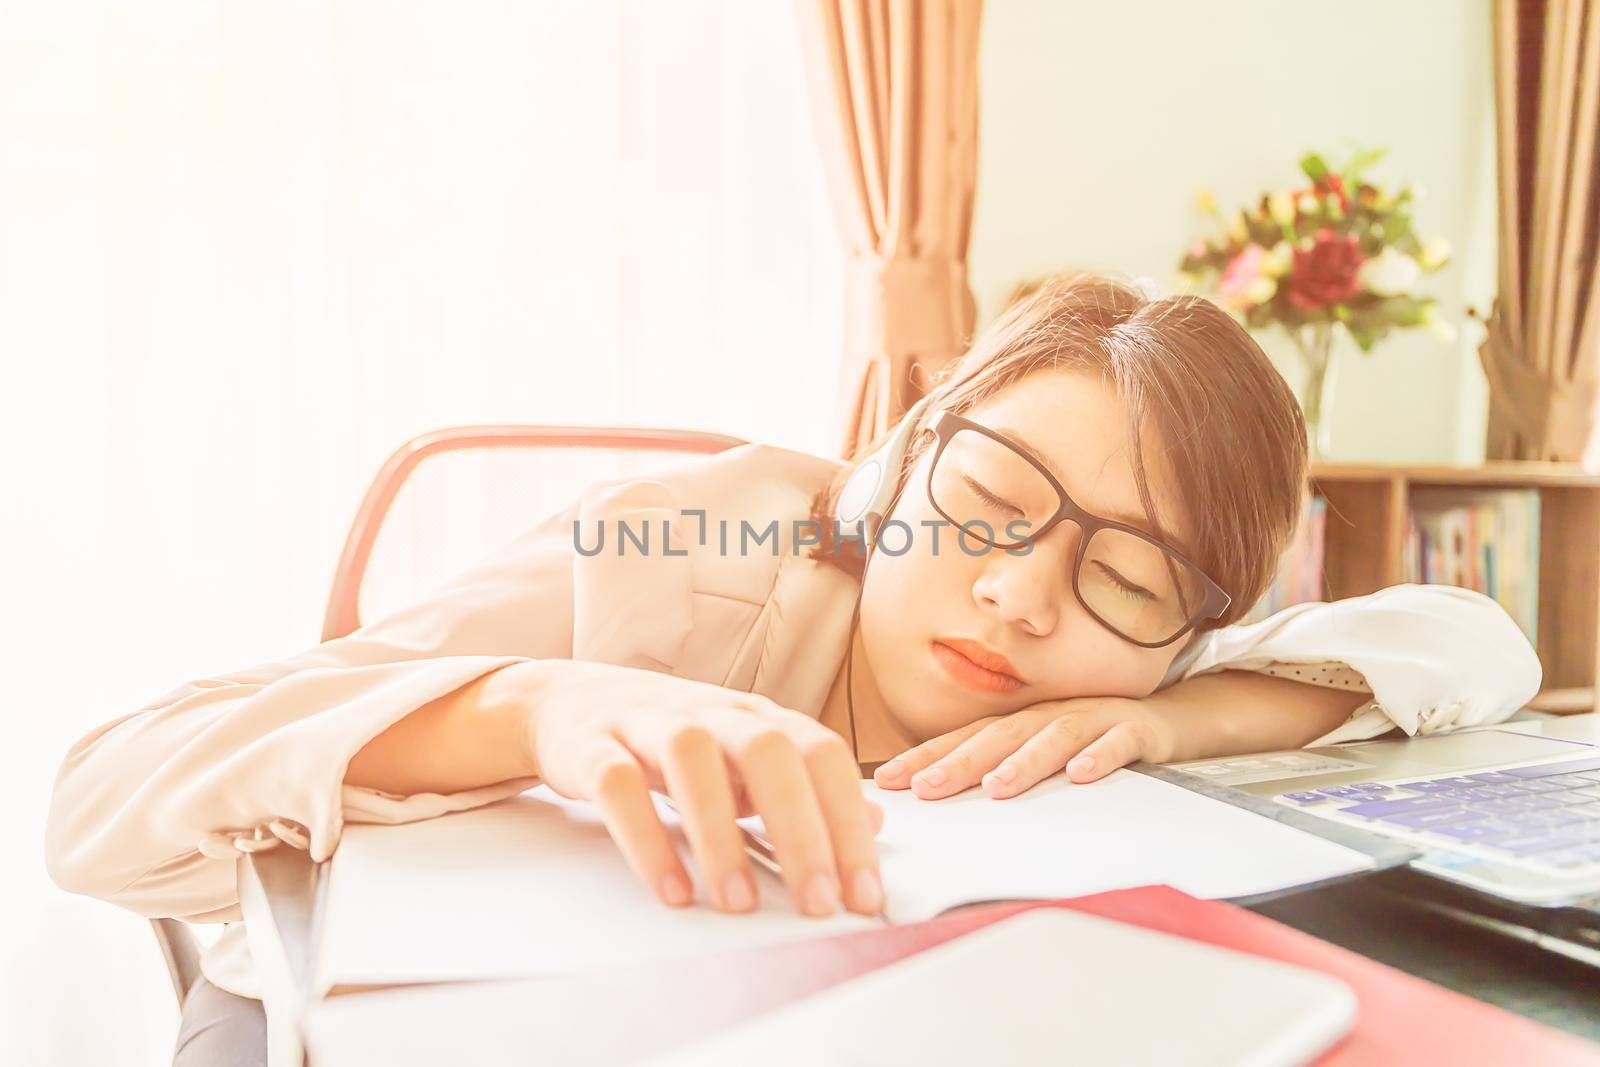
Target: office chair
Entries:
(446, 499)
(442, 502)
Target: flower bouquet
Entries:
(1340, 252)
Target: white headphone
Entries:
(870, 490)
(866, 498)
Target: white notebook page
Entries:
(534, 885)
(1061, 839)
(529, 886)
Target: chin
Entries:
(940, 706)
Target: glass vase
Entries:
(1316, 347)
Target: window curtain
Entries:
(1542, 353)
(894, 90)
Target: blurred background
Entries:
(247, 250)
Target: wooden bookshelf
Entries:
(1365, 543)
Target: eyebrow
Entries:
(1138, 522)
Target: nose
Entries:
(1029, 588)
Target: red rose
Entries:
(1325, 273)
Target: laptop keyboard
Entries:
(1548, 815)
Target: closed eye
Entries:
(1123, 586)
(988, 497)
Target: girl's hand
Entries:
(612, 734)
(1089, 736)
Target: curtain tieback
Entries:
(1555, 415)
(906, 306)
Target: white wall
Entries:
(1101, 121)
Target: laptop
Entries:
(1505, 819)
(1052, 986)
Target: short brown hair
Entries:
(1232, 429)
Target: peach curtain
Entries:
(1542, 354)
(894, 87)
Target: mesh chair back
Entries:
(446, 500)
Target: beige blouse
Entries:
(152, 810)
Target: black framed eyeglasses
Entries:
(1143, 591)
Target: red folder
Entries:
(1400, 1018)
(661, 1006)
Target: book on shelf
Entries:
(1300, 568)
(1481, 539)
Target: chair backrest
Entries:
(446, 499)
(442, 502)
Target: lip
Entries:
(976, 666)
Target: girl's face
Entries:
(1020, 606)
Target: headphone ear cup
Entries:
(861, 490)
(871, 487)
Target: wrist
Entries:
(476, 735)
(505, 705)
(1163, 739)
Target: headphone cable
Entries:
(849, 675)
(869, 549)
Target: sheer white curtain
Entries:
(246, 249)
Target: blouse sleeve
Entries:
(1434, 657)
(151, 810)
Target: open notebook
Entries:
(533, 886)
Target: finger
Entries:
(616, 783)
(1119, 746)
(1043, 754)
(875, 813)
(836, 779)
(896, 774)
(980, 753)
(777, 780)
(696, 778)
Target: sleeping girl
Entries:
(1039, 570)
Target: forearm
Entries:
(475, 736)
(1233, 712)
